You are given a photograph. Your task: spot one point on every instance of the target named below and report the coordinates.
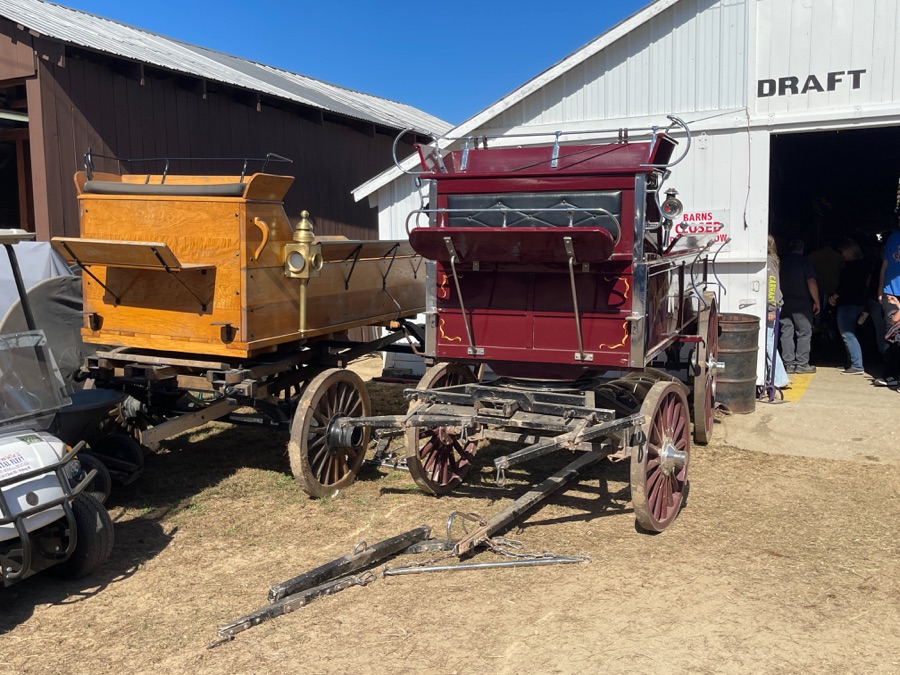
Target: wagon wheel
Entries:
(659, 465)
(437, 459)
(325, 458)
(705, 373)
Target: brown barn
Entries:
(70, 81)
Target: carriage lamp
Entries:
(303, 258)
(672, 206)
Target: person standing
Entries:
(801, 305)
(889, 283)
(849, 298)
(776, 375)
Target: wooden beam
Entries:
(22, 179)
(365, 128)
(39, 178)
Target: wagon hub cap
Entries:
(671, 459)
(342, 435)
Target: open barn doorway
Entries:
(16, 195)
(826, 186)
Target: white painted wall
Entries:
(737, 71)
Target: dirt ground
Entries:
(776, 565)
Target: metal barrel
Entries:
(738, 349)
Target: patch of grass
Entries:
(326, 504)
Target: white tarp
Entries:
(37, 261)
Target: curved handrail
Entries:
(397, 162)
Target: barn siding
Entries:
(87, 102)
(690, 58)
(16, 57)
(800, 38)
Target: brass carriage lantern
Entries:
(303, 258)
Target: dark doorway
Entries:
(16, 198)
(830, 184)
(825, 187)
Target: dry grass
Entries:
(777, 564)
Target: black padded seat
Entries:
(107, 187)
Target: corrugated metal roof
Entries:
(104, 35)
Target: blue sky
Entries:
(451, 59)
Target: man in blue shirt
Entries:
(801, 305)
(889, 295)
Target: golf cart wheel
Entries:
(122, 455)
(94, 539)
(324, 460)
(438, 458)
(101, 485)
(659, 465)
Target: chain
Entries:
(513, 548)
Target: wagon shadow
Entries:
(136, 542)
(597, 493)
(188, 464)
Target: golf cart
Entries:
(47, 517)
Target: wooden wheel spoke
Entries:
(322, 470)
(656, 483)
(438, 467)
(353, 409)
(652, 481)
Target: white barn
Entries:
(794, 108)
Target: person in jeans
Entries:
(801, 305)
(849, 299)
(889, 283)
(776, 375)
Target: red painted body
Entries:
(513, 271)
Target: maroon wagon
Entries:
(555, 266)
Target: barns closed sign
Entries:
(698, 227)
(792, 85)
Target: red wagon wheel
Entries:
(659, 466)
(705, 375)
(325, 458)
(437, 458)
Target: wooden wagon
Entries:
(208, 299)
(556, 266)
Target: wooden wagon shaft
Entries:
(330, 578)
(152, 436)
(287, 605)
(349, 563)
(526, 502)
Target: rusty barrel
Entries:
(738, 351)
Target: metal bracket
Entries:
(227, 332)
(570, 252)
(93, 276)
(554, 157)
(94, 321)
(178, 278)
(355, 256)
(451, 249)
